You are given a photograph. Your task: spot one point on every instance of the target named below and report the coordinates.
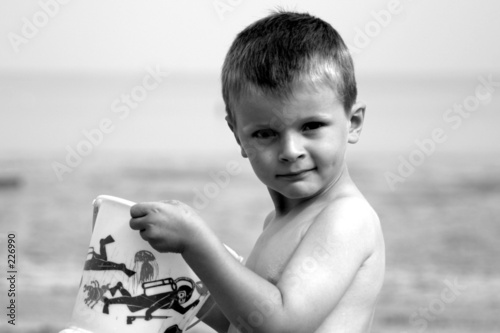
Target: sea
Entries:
(428, 161)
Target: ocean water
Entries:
(440, 218)
(183, 114)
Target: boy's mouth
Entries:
(295, 174)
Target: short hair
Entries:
(274, 52)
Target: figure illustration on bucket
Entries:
(95, 293)
(129, 287)
(146, 267)
(164, 294)
(99, 261)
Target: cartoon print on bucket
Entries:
(99, 261)
(146, 267)
(129, 287)
(95, 293)
(161, 294)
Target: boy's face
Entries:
(296, 146)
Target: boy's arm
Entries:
(211, 314)
(336, 245)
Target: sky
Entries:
(423, 39)
(418, 37)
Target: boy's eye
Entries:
(313, 125)
(264, 134)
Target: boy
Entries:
(318, 266)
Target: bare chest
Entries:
(274, 248)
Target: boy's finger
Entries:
(140, 209)
(137, 224)
(171, 202)
(145, 231)
(144, 235)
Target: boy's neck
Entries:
(284, 205)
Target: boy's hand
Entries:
(168, 226)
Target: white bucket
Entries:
(129, 287)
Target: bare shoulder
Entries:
(351, 218)
(352, 205)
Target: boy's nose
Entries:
(291, 148)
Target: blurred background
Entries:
(123, 98)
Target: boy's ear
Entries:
(356, 119)
(232, 127)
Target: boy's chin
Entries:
(295, 192)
